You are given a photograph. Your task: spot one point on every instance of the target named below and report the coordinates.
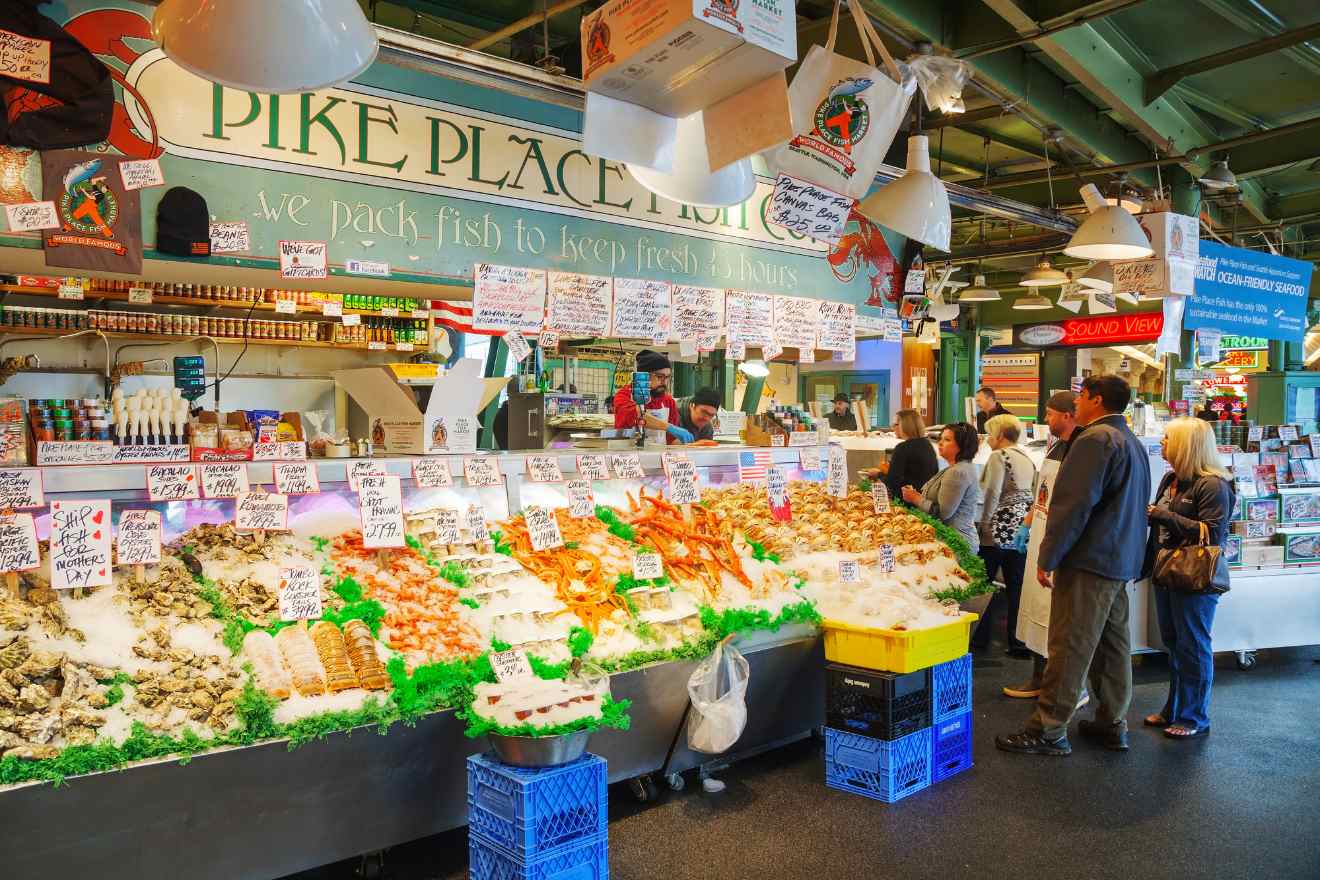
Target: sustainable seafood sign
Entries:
(1249, 292)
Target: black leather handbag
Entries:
(1192, 568)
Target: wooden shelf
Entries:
(171, 300)
(223, 340)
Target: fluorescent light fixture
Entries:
(271, 46)
(978, 292)
(1219, 177)
(916, 205)
(1043, 275)
(1100, 276)
(1032, 303)
(754, 369)
(1110, 233)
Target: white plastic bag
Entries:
(718, 689)
(845, 113)
(941, 80)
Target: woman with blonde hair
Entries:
(1196, 494)
(912, 462)
(1006, 486)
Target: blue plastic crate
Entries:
(884, 770)
(951, 689)
(584, 860)
(951, 747)
(533, 812)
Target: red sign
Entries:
(1110, 329)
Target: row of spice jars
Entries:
(43, 319)
(68, 420)
(217, 292)
(199, 325)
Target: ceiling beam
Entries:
(1091, 12)
(1161, 81)
(958, 120)
(523, 24)
(1250, 18)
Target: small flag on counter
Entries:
(752, 465)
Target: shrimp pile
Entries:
(422, 617)
(696, 552)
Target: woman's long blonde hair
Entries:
(910, 424)
(1191, 450)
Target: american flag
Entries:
(752, 465)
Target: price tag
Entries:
(71, 290)
(880, 497)
(368, 468)
(296, 478)
(18, 542)
(303, 259)
(806, 355)
(138, 542)
(544, 469)
(778, 440)
(286, 306)
(141, 173)
(542, 528)
(683, 482)
(801, 438)
(446, 526)
(300, 592)
(332, 308)
(389, 312)
(23, 57)
(510, 665)
(1288, 434)
(376, 346)
(1315, 445)
(230, 238)
(432, 473)
(886, 558)
(140, 295)
(351, 320)
(772, 351)
(475, 522)
(79, 544)
(776, 491)
(21, 489)
(517, 345)
(32, 216)
(171, 482)
(837, 478)
(265, 511)
(548, 341)
(380, 504)
(403, 346)
(809, 458)
(850, 571)
(914, 281)
(224, 480)
(627, 466)
(808, 209)
(593, 467)
(367, 267)
(735, 351)
(420, 314)
(823, 432)
(581, 500)
(482, 471)
(647, 565)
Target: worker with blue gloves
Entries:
(661, 413)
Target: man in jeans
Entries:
(1094, 542)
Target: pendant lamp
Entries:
(1032, 303)
(978, 292)
(1100, 276)
(1219, 176)
(271, 46)
(691, 181)
(1043, 275)
(916, 205)
(1110, 233)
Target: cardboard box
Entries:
(1173, 236)
(399, 427)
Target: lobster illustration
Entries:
(866, 247)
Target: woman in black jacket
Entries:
(912, 462)
(1196, 490)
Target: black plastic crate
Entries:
(882, 705)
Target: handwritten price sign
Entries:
(141, 173)
(261, 511)
(18, 542)
(850, 571)
(628, 466)
(647, 566)
(810, 210)
(296, 478)
(543, 529)
(581, 501)
(24, 57)
(880, 497)
(837, 479)
(446, 526)
(683, 482)
(31, 216)
(171, 482)
(300, 592)
(231, 238)
(475, 521)
(593, 467)
(481, 471)
(224, 480)
(510, 665)
(138, 542)
(79, 544)
(380, 503)
(21, 489)
(359, 469)
(432, 473)
(544, 469)
(887, 558)
(518, 347)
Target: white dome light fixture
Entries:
(1043, 274)
(1110, 233)
(1219, 177)
(1032, 303)
(692, 182)
(979, 292)
(754, 369)
(1100, 276)
(916, 205)
(269, 46)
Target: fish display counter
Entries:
(192, 688)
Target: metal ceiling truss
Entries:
(1161, 81)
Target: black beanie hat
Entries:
(183, 224)
(706, 397)
(650, 361)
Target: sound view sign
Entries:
(1097, 330)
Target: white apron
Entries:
(1033, 623)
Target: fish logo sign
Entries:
(843, 118)
(725, 11)
(88, 205)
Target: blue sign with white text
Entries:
(1249, 293)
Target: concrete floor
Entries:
(1244, 802)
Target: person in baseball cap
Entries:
(628, 415)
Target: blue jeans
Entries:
(1013, 566)
(1185, 621)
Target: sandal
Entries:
(1155, 719)
(1180, 731)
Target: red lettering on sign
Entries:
(1109, 329)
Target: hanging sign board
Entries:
(808, 209)
(21, 488)
(836, 326)
(579, 305)
(641, 308)
(1250, 293)
(749, 317)
(797, 321)
(508, 298)
(296, 478)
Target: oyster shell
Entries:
(32, 753)
(32, 698)
(40, 664)
(13, 654)
(38, 727)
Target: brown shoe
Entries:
(1028, 691)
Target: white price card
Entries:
(1255, 433)
(886, 558)
(544, 469)
(581, 500)
(542, 528)
(683, 482)
(548, 341)
(18, 542)
(171, 482)
(776, 491)
(1315, 445)
(771, 351)
(296, 478)
(403, 346)
(850, 571)
(21, 489)
(1288, 434)
(230, 238)
(372, 268)
(282, 450)
(377, 346)
(140, 296)
(71, 289)
(475, 522)
(647, 565)
(303, 259)
(389, 312)
(915, 281)
(808, 209)
(380, 504)
(880, 497)
(420, 314)
(261, 511)
(79, 544)
(367, 468)
(809, 458)
(510, 665)
(806, 355)
(446, 526)
(432, 473)
(138, 542)
(32, 216)
(300, 592)
(286, 306)
(735, 351)
(332, 308)
(518, 346)
(224, 480)
(627, 466)
(837, 479)
(350, 320)
(141, 173)
(23, 57)
(508, 298)
(481, 471)
(593, 467)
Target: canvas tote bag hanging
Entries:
(845, 113)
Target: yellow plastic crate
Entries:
(896, 650)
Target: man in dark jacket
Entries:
(696, 414)
(987, 407)
(842, 418)
(1095, 541)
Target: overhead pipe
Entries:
(522, 24)
(1012, 42)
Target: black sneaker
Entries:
(1018, 652)
(1028, 743)
(1111, 736)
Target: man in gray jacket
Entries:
(1094, 541)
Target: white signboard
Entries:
(808, 209)
(749, 317)
(303, 259)
(683, 482)
(581, 500)
(79, 544)
(300, 592)
(641, 308)
(138, 542)
(171, 482)
(380, 504)
(627, 466)
(518, 347)
(542, 528)
(593, 467)
(21, 488)
(647, 565)
(23, 57)
(230, 238)
(224, 480)
(579, 305)
(432, 473)
(510, 665)
(544, 469)
(141, 173)
(482, 470)
(508, 298)
(837, 479)
(696, 310)
(366, 468)
(31, 216)
(18, 542)
(850, 571)
(296, 478)
(475, 522)
(797, 321)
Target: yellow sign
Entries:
(414, 371)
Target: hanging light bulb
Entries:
(979, 292)
(1043, 275)
(1110, 233)
(1219, 176)
(916, 205)
(1100, 276)
(1033, 302)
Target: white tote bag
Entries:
(845, 113)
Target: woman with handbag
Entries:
(1006, 484)
(1187, 567)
